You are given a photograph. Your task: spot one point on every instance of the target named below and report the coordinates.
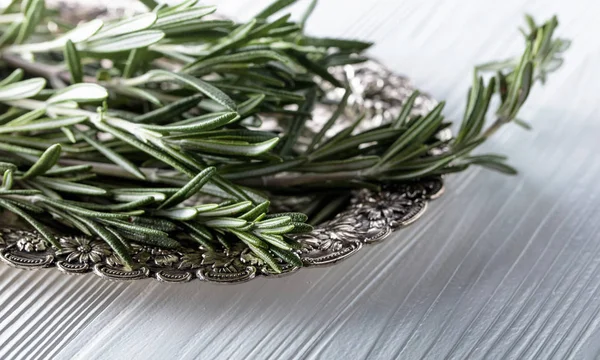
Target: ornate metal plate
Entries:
(370, 217)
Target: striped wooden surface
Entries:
(498, 268)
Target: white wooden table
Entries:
(498, 268)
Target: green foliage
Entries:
(144, 114)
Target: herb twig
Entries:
(114, 128)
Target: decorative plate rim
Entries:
(369, 218)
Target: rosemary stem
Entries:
(37, 69)
(493, 128)
(299, 179)
(152, 174)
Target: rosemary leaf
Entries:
(48, 159)
(73, 62)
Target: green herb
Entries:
(122, 152)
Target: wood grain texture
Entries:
(498, 268)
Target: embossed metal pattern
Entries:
(370, 216)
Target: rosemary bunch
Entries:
(112, 129)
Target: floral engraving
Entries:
(83, 250)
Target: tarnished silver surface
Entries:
(376, 92)
(370, 217)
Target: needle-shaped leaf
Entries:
(222, 147)
(22, 89)
(85, 92)
(228, 210)
(197, 229)
(279, 230)
(7, 166)
(309, 10)
(137, 199)
(77, 35)
(135, 228)
(351, 164)
(7, 180)
(152, 240)
(245, 108)
(248, 57)
(73, 62)
(274, 222)
(492, 162)
(182, 214)
(150, 4)
(201, 123)
(250, 239)
(79, 210)
(34, 12)
(353, 142)
(10, 33)
(273, 94)
(197, 84)
(318, 69)
(70, 220)
(331, 121)
(190, 189)
(342, 44)
(418, 173)
(27, 206)
(288, 256)
(134, 60)
(194, 28)
(263, 30)
(183, 16)
(48, 159)
(27, 117)
(301, 227)
(255, 212)
(169, 112)
(295, 216)
(70, 187)
(138, 93)
(126, 26)
(81, 32)
(69, 134)
(236, 37)
(43, 124)
(155, 153)
(114, 157)
(186, 4)
(275, 240)
(155, 223)
(276, 6)
(413, 131)
(41, 228)
(266, 256)
(121, 43)
(251, 170)
(295, 128)
(75, 169)
(407, 107)
(19, 149)
(206, 207)
(20, 192)
(225, 223)
(14, 76)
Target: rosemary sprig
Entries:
(118, 126)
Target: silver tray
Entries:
(370, 216)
